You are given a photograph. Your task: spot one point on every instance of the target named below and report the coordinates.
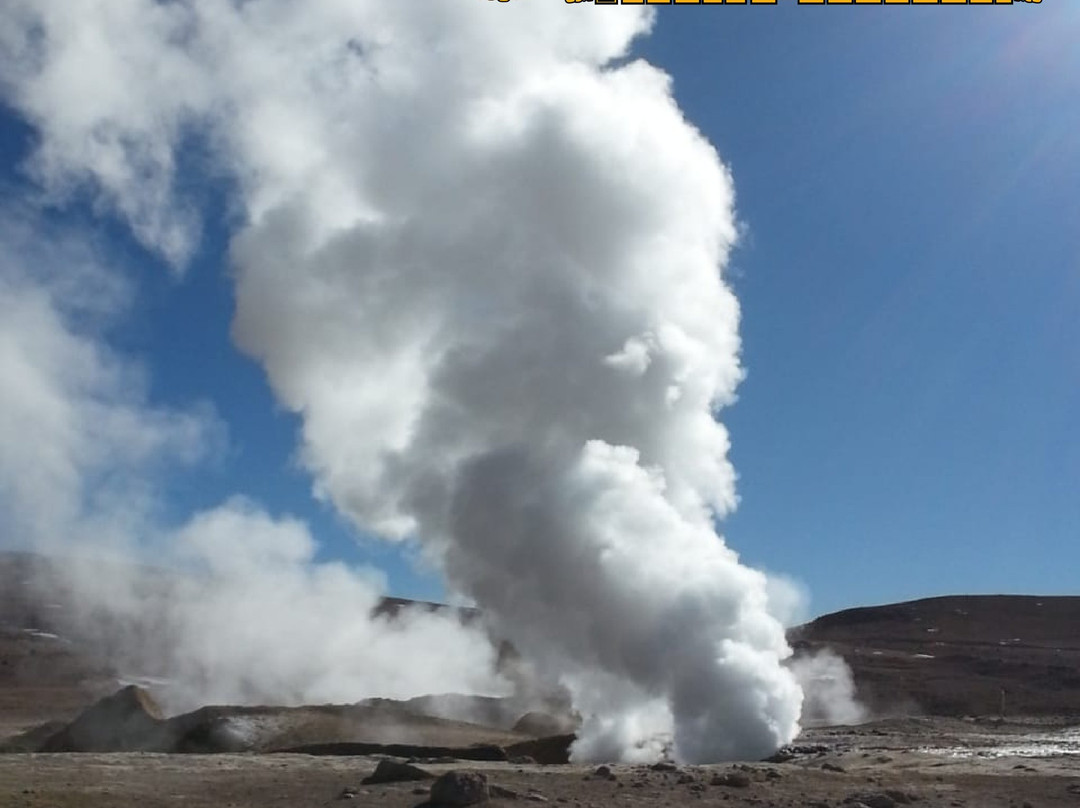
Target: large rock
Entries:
(731, 780)
(394, 771)
(127, 721)
(552, 750)
(456, 789)
(544, 725)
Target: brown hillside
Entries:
(947, 656)
(957, 655)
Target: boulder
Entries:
(393, 771)
(542, 725)
(456, 789)
(871, 800)
(552, 750)
(731, 780)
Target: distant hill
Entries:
(43, 674)
(949, 656)
(954, 656)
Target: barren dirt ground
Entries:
(924, 762)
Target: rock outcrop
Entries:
(127, 721)
(457, 789)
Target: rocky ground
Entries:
(982, 694)
(929, 763)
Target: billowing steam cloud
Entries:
(481, 258)
(255, 619)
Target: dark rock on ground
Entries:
(393, 771)
(782, 755)
(456, 789)
(732, 780)
(871, 800)
(548, 751)
(542, 725)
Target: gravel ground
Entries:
(923, 762)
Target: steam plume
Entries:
(253, 618)
(481, 258)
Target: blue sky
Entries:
(910, 284)
(910, 287)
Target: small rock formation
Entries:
(731, 780)
(547, 751)
(393, 771)
(542, 725)
(456, 789)
(127, 721)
